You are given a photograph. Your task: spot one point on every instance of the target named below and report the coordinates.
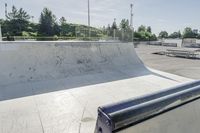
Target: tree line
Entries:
(126, 33)
(187, 33)
(18, 23)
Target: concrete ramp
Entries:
(39, 61)
(57, 87)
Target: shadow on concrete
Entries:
(41, 87)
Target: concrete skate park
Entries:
(68, 87)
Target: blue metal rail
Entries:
(116, 117)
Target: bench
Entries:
(182, 53)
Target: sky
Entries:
(169, 15)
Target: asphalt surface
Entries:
(189, 68)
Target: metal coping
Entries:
(121, 115)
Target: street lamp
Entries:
(114, 28)
(131, 22)
(89, 18)
(6, 12)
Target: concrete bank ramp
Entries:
(57, 87)
(39, 61)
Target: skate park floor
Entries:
(69, 105)
(189, 68)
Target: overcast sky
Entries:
(169, 15)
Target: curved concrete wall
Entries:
(35, 61)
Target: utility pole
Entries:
(131, 22)
(89, 32)
(6, 10)
(114, 29)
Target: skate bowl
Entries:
(56, 87)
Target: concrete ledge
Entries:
(195, 45)
(170, 44)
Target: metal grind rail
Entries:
(126, 114)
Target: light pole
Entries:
(131, 23)
(6, 12)
(89, 19)
(114, 28)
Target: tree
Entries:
(63, 26)
(142, 28)
(149, 29)
(175, 35)
(63, 21)
(114, 28)
(163, 34)
(179, 34)
(144, 34)
(188, 33)
(47, 23)
(56, 29)
(3, 26)
(17, 21)
(124, 24)
(104, 30)
(18, 14)
(23, 15)
(114, 25)
(126, 30)
(153, 37)
(198, 36)
(109, 30)
(141, 36)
